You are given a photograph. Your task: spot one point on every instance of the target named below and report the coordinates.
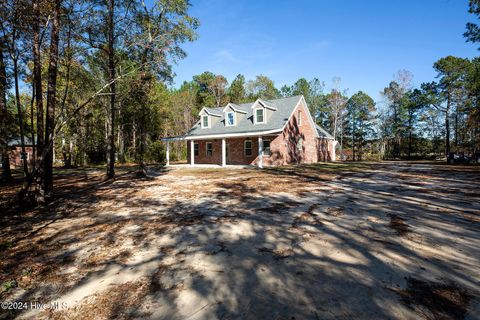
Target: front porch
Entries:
(209, 166)
(237, 151)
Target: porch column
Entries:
(192, 153)
(260, 152)
(224, 153)
(332, 153)
(168, 154)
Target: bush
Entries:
(156, 152)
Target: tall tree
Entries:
(51, 99)
(315, 96)
(6, 173)
(158, 33)
(360, 116)
(286, 91)
(111, 74)
(397, 115)
(335, 106)
(301, 87)
(452, 72)
(262, 87)
(10, 26)
(415, 103)
(218, 87)
(473, 31)
(37, 80)
(236, 92)
(205, 96)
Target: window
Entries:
(300, 144)
(205, 121)
(24, 156)
(195, 149)
(248, 147)
(299, 118)
(230, 118)
(266, 147)
(209, 148)
(259, 115)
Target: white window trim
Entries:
(234, 119)
(245, 148)
(196, 146)
(255, 116)
(208, 120)
(299, 118)
(206, 149)
(269, 147)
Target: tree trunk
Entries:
(111, 71)
(353, 140)
(51, 102)
(37, 70)
(20, 118)
(456, 130)
(410, 129)
(447, 130)
(32, 124)
(6, 172)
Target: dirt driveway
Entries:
(327, 241)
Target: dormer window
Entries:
(230, 119)
(259, 115)
(205, 121)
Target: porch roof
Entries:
(223, 135)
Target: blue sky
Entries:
(363, 42)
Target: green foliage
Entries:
(156, 152)
(301, 87)
(262, 87)
(236, 92)
(359, 122)
(395, 117)
(8, 285)
(473, 31)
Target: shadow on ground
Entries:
(370, 240)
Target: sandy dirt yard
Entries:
(329, 241)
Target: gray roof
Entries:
(16, 141)
(285, 107)
(323, 133)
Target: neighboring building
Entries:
(15, 153)
(264, 132)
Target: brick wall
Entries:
(15, 158)
(296, 144)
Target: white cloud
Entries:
(227, 55)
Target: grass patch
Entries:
(8, 285)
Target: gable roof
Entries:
(211, 111)
(322, 133)
(276, 121)
(283, 110)
(17, 141)
(234, 107)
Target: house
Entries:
(262, 133)
(15, 151)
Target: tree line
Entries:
(89, 82)
(72, 70)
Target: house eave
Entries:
(233, 135)
(233, 108)
(177, 138)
